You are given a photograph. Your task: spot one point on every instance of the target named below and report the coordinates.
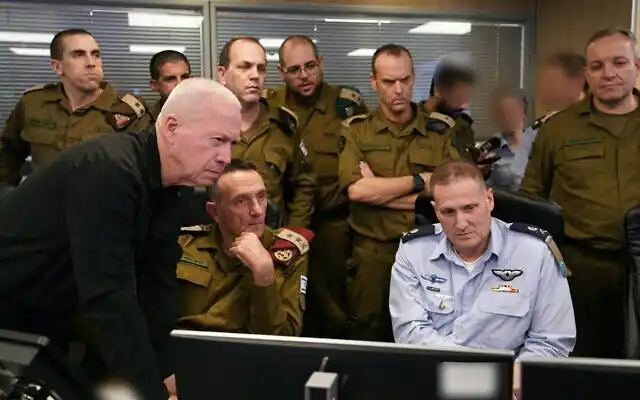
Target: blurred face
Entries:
(171, 74)
(556, 89)
(458, 96)
(300, 69)
(464, 207)
(241, 203)
(612, 69)
(81, 63)
(509, 114)
(246, 72)
(201, 145)
(393, 81)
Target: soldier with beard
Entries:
(320, 108)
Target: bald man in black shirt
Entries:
(94, 235)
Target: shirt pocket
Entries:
(584, 159)
(326, 157)
(504, 319)
(275, 165)
(194, 289)
(379, 157)
(42, 143)
(422, 159)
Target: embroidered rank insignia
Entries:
(548, 239)
(507, 274)
(121, 120)
(425, 230)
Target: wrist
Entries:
(264, 274)
(418, 184)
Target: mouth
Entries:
(306, 86)
(253, 89)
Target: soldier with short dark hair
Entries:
(167, 69)
(49, 118)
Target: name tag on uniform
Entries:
(303, 284)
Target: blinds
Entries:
(24, 62)
(494, 49)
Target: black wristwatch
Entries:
(418, 184)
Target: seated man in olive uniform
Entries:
(239, 275)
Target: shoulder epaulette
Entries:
(464, 116)
(424, 230)
(136, 105)
(290, 243)
(537, 124)
(546, 237)
(439, 122)
(38, 87)
(195, 229)
(288, 119)
(349, 102)
(355, 118)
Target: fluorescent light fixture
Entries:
(443, 28)
(165, 20)
(25, 37)
(25, 51)
(153, 49)
(357, 21)
(272, 57)
(274, 43)
(362, 53)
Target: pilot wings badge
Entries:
(507, 274)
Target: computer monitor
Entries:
(238, 366)
(29, 364)
(579, 378)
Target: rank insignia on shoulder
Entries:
(38, 87)
(355, 118)
(425, 230)
(121, 120)
(349, 102)
(196, 228)
(283, 255)
(288, 119)
(440, 123)
(289, 244)
(537, 124)
(136, 105)
(548, 239)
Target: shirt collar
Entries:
(444, 249)
(418, 123)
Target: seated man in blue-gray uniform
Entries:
(475, 281)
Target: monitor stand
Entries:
(322, 385)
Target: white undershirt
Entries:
(469, 265)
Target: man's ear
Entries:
(490, 201)
(221, 73)
(153, 84)
(212, 210)
(55, 67)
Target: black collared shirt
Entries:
(95, 233)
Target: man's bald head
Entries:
(197, 126)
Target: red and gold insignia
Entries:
(121, 120)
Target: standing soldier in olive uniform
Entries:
(585, 158)
(321, 108)
(239, 275)
(50, 118)
(385, 163)
(167, 69)
(450, 93)
(269, 136)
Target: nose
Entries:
(397, 87)
(90, 61)
(304, 73)
(608, 70)
(256, 208)
(253, 73)
(461, 222)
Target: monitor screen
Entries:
(29, 363)
(579, 378)
(239, 366)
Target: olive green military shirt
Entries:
(274, 147)
(41, 125)
(156, 108)
(389, 152)
(588, 163)
(217, 291)
(460, 128)
(319, 126)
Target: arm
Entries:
(13, 150)
(305, 184)
(157, 280)
(277, 309)
(410, 319)
(553, 328)
(538, 175)
(372, 190)
(101, 216)
(406, 203)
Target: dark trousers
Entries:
(599, 294)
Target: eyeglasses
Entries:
(309, 67)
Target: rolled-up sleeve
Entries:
(553, 328)
(409, 317)
(101, 208)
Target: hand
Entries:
(517, 381)
(248, 248)
(365, 170)
(170, 384)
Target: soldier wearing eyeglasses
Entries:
(321, 108)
